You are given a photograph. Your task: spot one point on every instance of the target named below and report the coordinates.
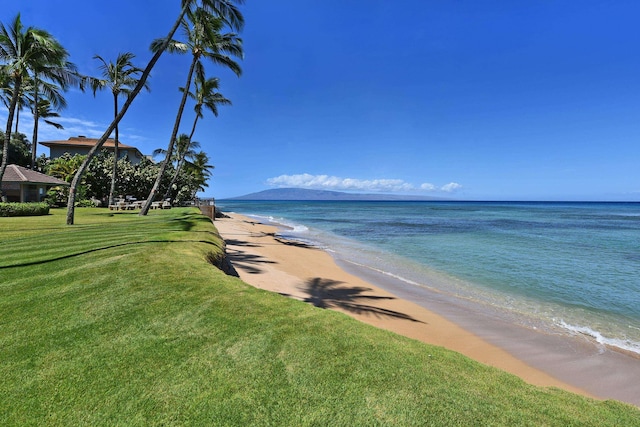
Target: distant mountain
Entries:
(304, 194)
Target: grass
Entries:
(120, 320)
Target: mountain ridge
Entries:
(303, 194)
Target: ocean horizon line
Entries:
(241, 199)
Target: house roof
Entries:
(15, 173)
(83, 141)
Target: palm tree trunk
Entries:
(173, 180)
(180, 163)
(34, 143)
(193, 128)
(167, 195)
(36, 119)
(115, 152)
(143, 79)
(7, 135)
(174, 134)
(17, 119)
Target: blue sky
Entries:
(500, 100)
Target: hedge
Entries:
(23, 209)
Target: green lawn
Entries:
(121, 320)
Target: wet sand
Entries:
(299, 271)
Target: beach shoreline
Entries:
(267, 261)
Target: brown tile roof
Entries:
(15, 173)
(83, 141)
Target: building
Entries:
(81, 145)
(24, 185)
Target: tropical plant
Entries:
(65, 166)
(185, 149)
(134, 180)
(225, 9)
(50, 98)
(36, 91)
(47, 82)
(199, 170)
(30, 52)
(204, 40)
(205, 96)
(19, 149)
(120, 77)
(44, 112)
(7, 92)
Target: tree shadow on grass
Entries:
(187, 221)
(326, 293)
(98, 249)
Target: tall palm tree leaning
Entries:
(30, 50)
(205, 95)
(204, 40)
(121, 78)
(225, 9)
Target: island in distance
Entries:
(302, 194)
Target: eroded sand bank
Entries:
(269, 262)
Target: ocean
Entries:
(565, 268)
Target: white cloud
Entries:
(78, 122)
(72, 127)
(326, 182)
(450, 187)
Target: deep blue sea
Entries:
(569, 267)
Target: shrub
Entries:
(85, 203)
(56, 196)
(23, 209)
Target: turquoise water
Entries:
(569, 267)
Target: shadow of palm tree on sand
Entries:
(326, 293)
(241, 260)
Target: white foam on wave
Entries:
(281, 222)
(383, 272)
(623, 344)
(299, 228)
(292, 226)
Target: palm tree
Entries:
(25, 51)
(7, 94)
(203, 41)
(205, 95)
(224, 9)
(200, 171)
(46, 96)
(185, 149)
(121, 78)
(45, 113)
(65, 167)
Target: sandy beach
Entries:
(266, 261)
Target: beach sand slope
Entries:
(293, 269)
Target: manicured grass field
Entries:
(121, 320)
